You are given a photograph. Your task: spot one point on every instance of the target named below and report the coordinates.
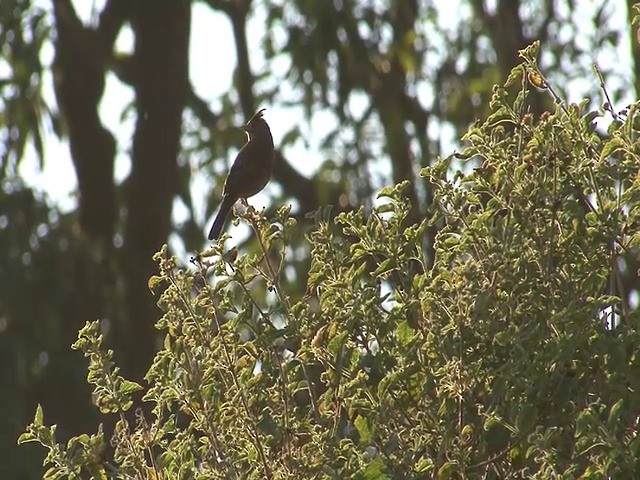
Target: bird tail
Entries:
(221, 217)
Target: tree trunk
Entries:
(161, 84)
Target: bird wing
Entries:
(249, 173)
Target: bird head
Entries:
(257, 127)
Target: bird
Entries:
(250, 172)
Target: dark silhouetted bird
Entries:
(250, 171)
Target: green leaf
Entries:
(611, 147)
(128, 387)
(38, 421)
(446, 471)
(362, 425)
(502, 338)
(614, 413)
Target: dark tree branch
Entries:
(506, 31)
(201, 108)
(543, 32)
(222, 5)
(161, 86)
(79, 84)
(635, 48)
(78, 69)
(388, 90)
(508, 35)
(481, 11)
(238, 16)
(112, 18)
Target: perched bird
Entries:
(250, 171)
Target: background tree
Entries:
(397, 81)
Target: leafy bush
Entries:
(513, 353)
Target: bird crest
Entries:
(258, 114)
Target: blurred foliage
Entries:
(513, 356)
(23, 32)
(393, 84)
(38, 317)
